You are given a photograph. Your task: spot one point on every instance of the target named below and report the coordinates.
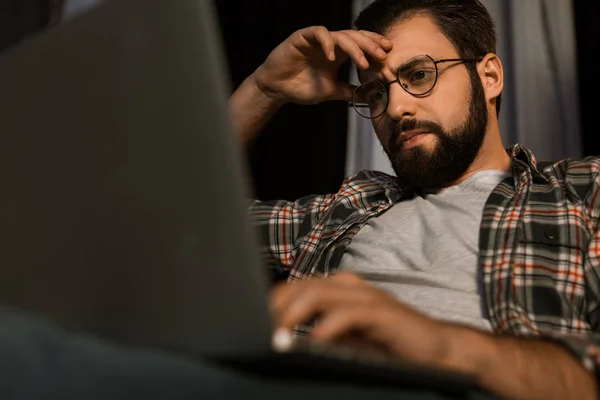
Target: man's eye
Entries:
(377, 96)
(420, 75)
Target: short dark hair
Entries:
(466, 23)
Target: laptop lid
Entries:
(123, 202)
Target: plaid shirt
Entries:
(539, 246)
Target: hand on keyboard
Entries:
(357, 315)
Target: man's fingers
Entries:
(358, 45)
(281, 295)
(385, 43)
(302, 306)
(349, 278)
(321, 36)
(370, 47)
(284, 293)
(296, 303)
(313, 300)
(344, 321)
(349, 46)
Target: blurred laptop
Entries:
(124, 191)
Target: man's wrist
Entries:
(251, 108)
(266, 98)
(517, 367)
(469, 350)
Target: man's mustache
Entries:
(408, 125)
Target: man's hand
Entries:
(303, 69)
(349, 310)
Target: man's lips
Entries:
(404, 136)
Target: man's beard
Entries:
(418, 168)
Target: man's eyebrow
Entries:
(407, 65)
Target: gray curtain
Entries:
(536, 43)
(363, 149)
(74, 7)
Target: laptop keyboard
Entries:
(297, 357)
(287, 343)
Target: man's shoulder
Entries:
(585, 169)
(591, 162)
(579, 177)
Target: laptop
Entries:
(123, 211)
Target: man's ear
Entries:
(492, 76)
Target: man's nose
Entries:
(401, 104)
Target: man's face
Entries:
(449, 122)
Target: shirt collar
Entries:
(523, 160)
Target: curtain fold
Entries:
(363, 149)
(537, 47)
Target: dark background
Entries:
(587, 18)
(302, 150)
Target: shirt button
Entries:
(551, 233)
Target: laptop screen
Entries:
(122, 209)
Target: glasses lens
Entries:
(370, 100)
(418, 75)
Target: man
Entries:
(42, 360)
(472, 257)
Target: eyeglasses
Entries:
(416, 76)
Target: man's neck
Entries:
(491, 156)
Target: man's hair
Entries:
(466, 23)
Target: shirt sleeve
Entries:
(281, 224)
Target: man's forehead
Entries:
(377, 69)
(417, 31)
(413, 37)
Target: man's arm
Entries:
(280, 223)
(508, 366)
(251, 108)
(563, 366)
(520, 368)
(303, 69)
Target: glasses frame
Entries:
(387, 85)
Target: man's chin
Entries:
(415, 168)
(427, 146)
(421, 154)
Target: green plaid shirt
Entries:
(539, 246)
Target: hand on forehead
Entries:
(413, 37)
(377, 71)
